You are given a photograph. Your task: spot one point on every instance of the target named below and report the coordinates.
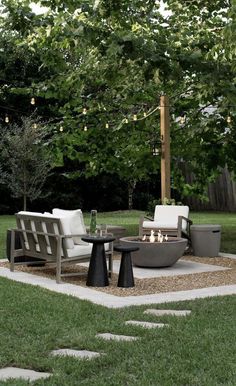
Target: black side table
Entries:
(126, 277)
(97, 272)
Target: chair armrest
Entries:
(141, 220)
(180, 220)
(72, 235)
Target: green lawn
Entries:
(195, 350)
(130, 220)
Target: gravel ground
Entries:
(154, 285)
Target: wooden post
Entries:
(165, 147)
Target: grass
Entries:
(195, 350)
(198, 350)
(130, 220)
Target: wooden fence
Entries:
(221, 194)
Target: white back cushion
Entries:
(169, 213)
(77, 225)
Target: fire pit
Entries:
(156, 254)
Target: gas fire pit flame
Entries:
(152, 239)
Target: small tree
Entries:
(25, 161)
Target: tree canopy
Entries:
(96, 66)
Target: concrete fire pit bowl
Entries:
(155, 254)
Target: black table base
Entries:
(97, 273)
(126, 277)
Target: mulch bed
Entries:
(153, 285)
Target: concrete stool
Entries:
(126, 278)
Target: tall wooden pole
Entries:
(165, 147)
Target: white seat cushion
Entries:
(158, 224)
(80, 250)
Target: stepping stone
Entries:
(83, 354)
(108, 336)
(167, 312)
(16, 373)
(146, 324)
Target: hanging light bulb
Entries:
(144, 114)
(84, 111)
(135, 117)
(6, 119)
(107, 126)
(35, 125)
(61, 128)
(126, 120)
(32, 101)
(182, 119)
(228, 119)
(85, 128)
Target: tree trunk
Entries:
(131, 187)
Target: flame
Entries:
(152, 237)
(160, 237)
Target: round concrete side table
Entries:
(205, 239)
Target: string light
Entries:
(107, 125)
(144, 114)
(85, 128)
(228, 119)
(61, 128)
(182, 119)
(135, 117)
(6, 119)
(126, 120)
(35, 125)
(32, 101)
(84, 111)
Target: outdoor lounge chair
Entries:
(54, 239)
(169, 219)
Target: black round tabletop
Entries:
(98, 239)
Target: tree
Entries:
(25, 160)
(102, 62)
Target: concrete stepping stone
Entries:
(17, 373)
(109, 336)
(152, 311)
(83, 354)
(146, 324)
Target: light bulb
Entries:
(107, 125)
(145, 114)
(85, 128)
(32, 101)
(135, 117)
(35, 125)
(84, 111)
(6, 119)
(228, 119)
(126, 120)
(61, 128)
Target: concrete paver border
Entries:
(112, 301)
